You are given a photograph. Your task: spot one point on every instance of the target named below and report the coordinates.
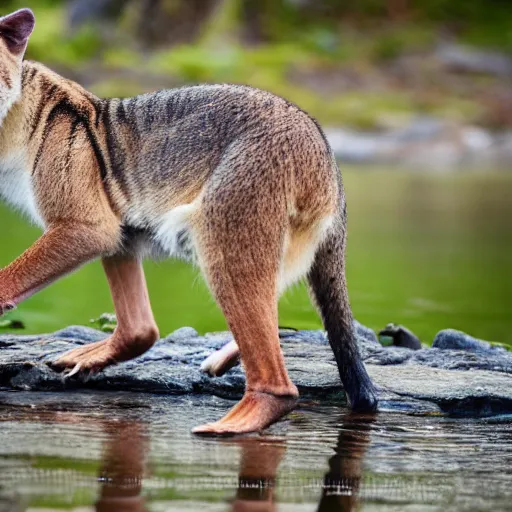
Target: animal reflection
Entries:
(123, 469)
(342, 483)
(125, 454)
(259, 463)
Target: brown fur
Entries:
(236, 179)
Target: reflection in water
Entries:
(53, 456)
(342, 482)
(123, 468)
(124, 462)
(257, 475)
(125, 454)
(260, 460)
(123, 457)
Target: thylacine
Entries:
(237, 179)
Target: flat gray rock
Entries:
(425, 381)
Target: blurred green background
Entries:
(429, 250)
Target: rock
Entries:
(423, 143)
(365, 333)
(11, 324)
(470, 60)
(401, 336)
(311, 337)
(475, 393)
(79, 333)
(425, 381)
(450, 339)
(182, 334)
(353, 147)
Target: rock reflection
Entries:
(341, 486)
(123, 468)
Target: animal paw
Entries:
(87, 360)
(255, 412)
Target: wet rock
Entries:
(384, 356)
(452, 339)
(444, 381)
(401, 336)
(474, 393)
(78, 333)
(494, 361)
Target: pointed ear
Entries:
(16, 28)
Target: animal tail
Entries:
(328, 285)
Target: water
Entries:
(425, 250)
(428, 251)
(124, 451)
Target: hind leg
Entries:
(241, 259)
(269, 392)
(251, 313)
(297, 259)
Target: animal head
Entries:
(15, 30)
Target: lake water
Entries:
(425, 250)
(134, 452)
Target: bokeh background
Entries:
(416, 99)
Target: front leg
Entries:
(136, 329)
(60, 250)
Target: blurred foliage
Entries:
(343, 61)
(314, 24)
(52, 44)
(106, 322)
(9, 323)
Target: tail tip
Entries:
(365, 401)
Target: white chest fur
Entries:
(16, 186)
